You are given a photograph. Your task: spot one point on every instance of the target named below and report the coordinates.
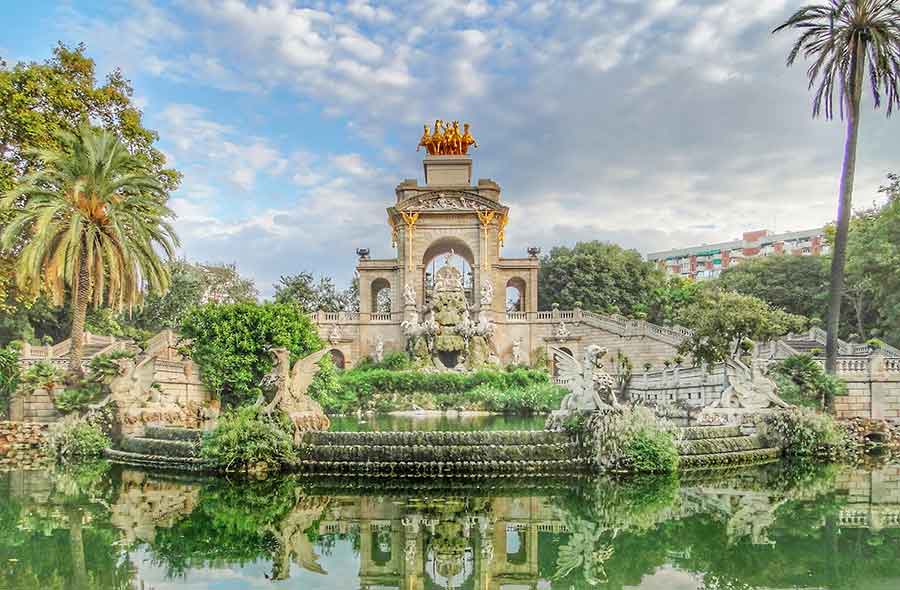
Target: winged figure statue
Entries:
(584, 380)
(290, 385)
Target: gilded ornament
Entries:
(501, 223)
(446, 139)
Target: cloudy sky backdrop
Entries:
(649, 123)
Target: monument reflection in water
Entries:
(99, 527)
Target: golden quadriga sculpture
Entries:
(446, 139)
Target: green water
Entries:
(383, 422)
(99, 527)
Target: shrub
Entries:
(516, 391)
(806, 433)
(632, 440)
(392, 361)
(231, 342)
(41, 375)
(9, 374)
(244, 439)
(803, 381)
(326, 388)
(77, 438)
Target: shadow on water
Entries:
(777, 526)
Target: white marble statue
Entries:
(487, 292)
(586, 380)
(379, 349)
(562, 331)
(517, 351)
(749, 388)
(409, 294)
(290, 385)
(336, 334)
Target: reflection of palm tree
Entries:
(76, 548)
(584, 551)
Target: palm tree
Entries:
(841, 38)
(94, 217)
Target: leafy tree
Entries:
(796, 284)
(722, 320)
(839, 36)
(873, 266)
(231, 344)
(93, 215)
(671, 297)
(223, 283)
(604, 277)
(40, 100)
(312, 295)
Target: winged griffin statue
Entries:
(290, 385)
(588, 382)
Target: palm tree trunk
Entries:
(79, 313)
(845, 207)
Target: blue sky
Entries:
(650, 123)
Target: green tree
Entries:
(722, 321)
(93, 215)
(796, 284)
(873, 266)
(839, 36)
(669, 298)
(312, 294)
(231, 344)
(604, 277)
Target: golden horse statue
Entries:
(446, 139)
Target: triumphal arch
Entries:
(450, 297)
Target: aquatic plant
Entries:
(245, 439)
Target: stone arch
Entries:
(516, 295)
(381, 294)
(338, 358)
(462, 252)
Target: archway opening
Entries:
(456, 253)
(515, 294)
(337, 357)
(381, 296)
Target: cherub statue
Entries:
(517, 351)
(467, 140)
(290, 385)
(426, 141)
(379, 349)
(586, 380)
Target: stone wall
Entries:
(20, 445)
(873, 386)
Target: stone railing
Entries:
(380, 317)
(845, 348)
(517, 316)
(62, 348)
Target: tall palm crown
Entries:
(838, 34)
(839, 37)
(95, 217)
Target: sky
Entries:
(649, 123)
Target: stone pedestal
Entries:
(448, 170)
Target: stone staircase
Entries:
(704, 447)
(440, 454)
(161, 447)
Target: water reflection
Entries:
(773, 527)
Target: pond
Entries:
(102, 527)
(430, 421)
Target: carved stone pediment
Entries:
(448, 201)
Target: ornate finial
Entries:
(448, 258)
(446, 139)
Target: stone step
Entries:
(173, 433)
(438, 453)
(702, 432)
(484, 469)
(719, 445)
(158, 462)
(435, 438)
(729, 459)
(160, 448)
